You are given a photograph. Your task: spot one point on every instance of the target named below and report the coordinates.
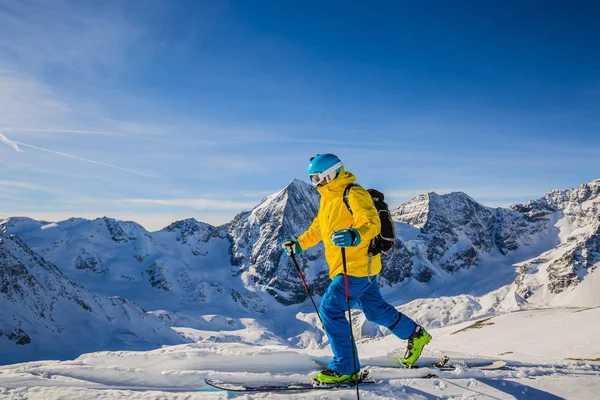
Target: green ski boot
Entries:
(328, 377)
(416, 342)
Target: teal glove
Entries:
(291, 246)
(346, 238)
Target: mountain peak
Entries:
(183, 224)
(573, 200)
(294, 196)
(453, 196)
(300, 182)
(422, 208)
(299, 185)
(190, 227)
(257, 237)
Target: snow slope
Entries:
(442, 240)
(457, 260)
(566, 275)
(44, 314)
(538, 368)
(184, 266)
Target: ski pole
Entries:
(307, 289)
(350, 318)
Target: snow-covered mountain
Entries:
(567, 274)
(256, 243)
(458, 232)
(44, 314)
(456, 258)
(183, 266)
(190, 263)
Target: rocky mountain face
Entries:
(458, 232)
(189, 263)
(554, 272)
(45, 314)
(50, 272)
(183, 266)
(257, 235)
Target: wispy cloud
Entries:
(9, 143)
(88, 160)
(86, 45)
(79, 36)
(23, 185)
(31, 107)
(199, 204)
(63, 130)
(22, 192)
(15, 145)
(28, 101)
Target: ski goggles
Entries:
(321, 178)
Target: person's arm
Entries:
(312, 236)
(366, 217)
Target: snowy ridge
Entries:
(257, 237)
(182, 266)
(541, 253)
(567, 274)
(456, 260)
(457, 232)
(190, 262)
(45, 314)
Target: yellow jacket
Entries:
(334, 215)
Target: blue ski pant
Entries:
(366, 295)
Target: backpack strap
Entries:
(346, 192)
(347, 203)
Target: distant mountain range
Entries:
(63, 277)
(44, 313)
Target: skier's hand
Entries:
(291, 246)
(346, 238)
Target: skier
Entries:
(338, 228)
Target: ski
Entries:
(418, 375)
(294, 386)
(442, 365)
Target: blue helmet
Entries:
(323, 168)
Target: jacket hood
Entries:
(339, 184)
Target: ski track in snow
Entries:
(534, 371)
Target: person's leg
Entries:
(333, 308)
(377, 310)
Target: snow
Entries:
(49, 226)
(586, 294)
(535, 343)
(43, 314)
(221, 305)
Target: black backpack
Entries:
(386, 239)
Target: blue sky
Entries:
(155, 111)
